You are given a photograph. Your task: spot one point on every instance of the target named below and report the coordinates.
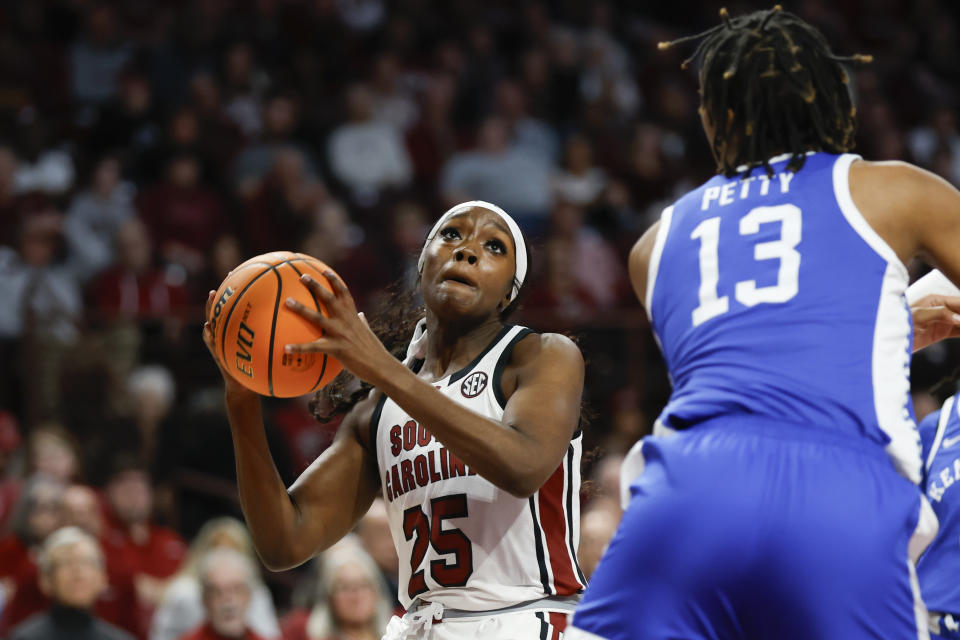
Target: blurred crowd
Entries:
(146, 148)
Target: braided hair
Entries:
(770, 85)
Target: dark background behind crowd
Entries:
(148, 147)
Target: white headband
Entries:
(521, 248)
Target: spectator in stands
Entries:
(373, 532)
(490, 172)
(939, 134)
(352, 601)
(96, 215)
(72, 574)
(117, 603)
(8, 196)
(280, 212)
(181, 608)
(53, 453)
(38, 513)
(365, 155)
(336, 240)
(156, 552)
(582, 273)
(527, 133)
(184, 216)
(391, 100)
(96, 59)
(129, 123)
(42, 308)
(9, 485)
(245, 85)
(45, 165)
(134, 288)
(281, 118)
(580, 182)
(152, 391)
(226, 582)
(432, 139)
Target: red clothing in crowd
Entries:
(148, 295)
(191, 216)
(306, 438)
(293, 626)
(117, 605)
(206, 632)
(160, 556)
(9, 494)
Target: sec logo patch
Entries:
(474, 384)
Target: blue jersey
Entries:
(773, 296)
(939, 566)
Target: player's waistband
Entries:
(553, 603)
(779, 429)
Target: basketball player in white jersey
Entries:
(473, 442)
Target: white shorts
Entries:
(529, 624)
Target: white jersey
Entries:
(463, 542)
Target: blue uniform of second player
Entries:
(779, 501)
(939, 567)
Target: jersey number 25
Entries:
(747, 292)
(418, 528)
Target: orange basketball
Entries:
(251, 326)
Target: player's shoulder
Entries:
(546, 349)
(892, 177)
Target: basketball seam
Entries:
(323, 366)
(273, 330)
(226, 321)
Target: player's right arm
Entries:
(289, 527)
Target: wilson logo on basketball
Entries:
(222, 300)
(474, 384)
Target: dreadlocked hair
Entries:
(393, 322)
(770, 85)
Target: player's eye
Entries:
(497, 246)
(449, 233)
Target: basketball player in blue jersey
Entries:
(939, 566)
(778, 496)
(473, 442)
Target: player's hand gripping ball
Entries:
(251, 325)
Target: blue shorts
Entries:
(743, 528)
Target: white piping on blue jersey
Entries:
(890, 366)
(941, 428)
(654, 265)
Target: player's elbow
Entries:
(276, 560)
(521, 484)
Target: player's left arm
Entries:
(543, 387)
(639, 263)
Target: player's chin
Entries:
(457, 302)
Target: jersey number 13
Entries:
(747, 292)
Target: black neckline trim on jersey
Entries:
(496, 340)
(502, 364)
(374, 425)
